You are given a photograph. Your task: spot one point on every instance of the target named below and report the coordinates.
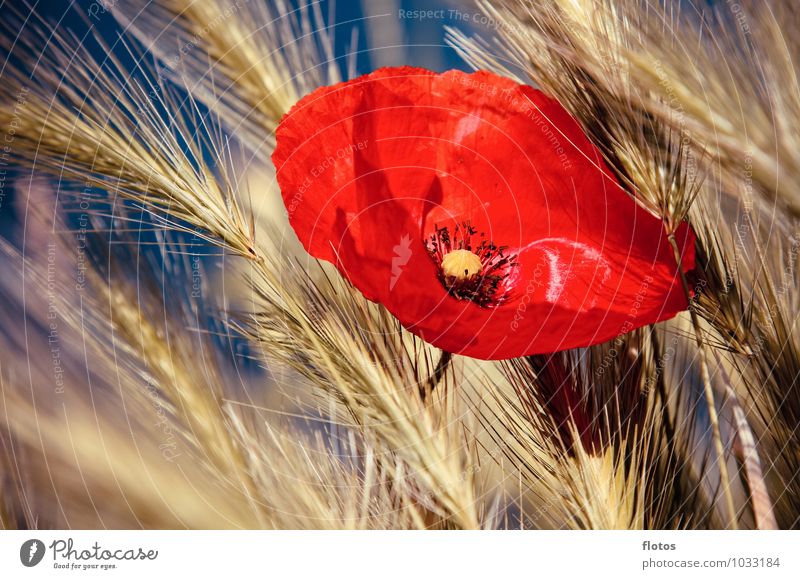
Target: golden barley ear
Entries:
(121, 130)
(151, 367)
(733, 77)
(354, 351)
(601, 439)
(247, 61)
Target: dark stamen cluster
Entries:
(482, 288)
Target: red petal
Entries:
(368, 168)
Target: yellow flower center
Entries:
(470, 266)
(461, 264)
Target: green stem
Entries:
(713, 417)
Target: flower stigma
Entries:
(461, 264)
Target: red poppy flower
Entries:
(476, 211)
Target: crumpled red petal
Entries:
(368, 169)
